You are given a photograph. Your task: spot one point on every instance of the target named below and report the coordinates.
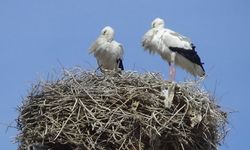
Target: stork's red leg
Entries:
(172, 71)
(172, 67)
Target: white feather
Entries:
(159, 40)
(106, 50)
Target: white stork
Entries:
(174, 48)
(108, 52)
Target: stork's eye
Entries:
(153, 24)
(105, 32)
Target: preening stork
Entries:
(174, 48)
(107, 51)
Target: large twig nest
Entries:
(132, 111)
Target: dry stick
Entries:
(73, 109)
(140, 142)
(187, 102)
(90, 95)
(153, 115)
(95, 100)
(122, 144)
(175, 114)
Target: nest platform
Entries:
(131, 111)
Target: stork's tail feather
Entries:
(120, 64)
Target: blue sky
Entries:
(38, 36)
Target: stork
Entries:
(174, 48)
(107, 51)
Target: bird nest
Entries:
(133, 111)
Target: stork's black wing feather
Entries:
(190, 54)
(120, 64)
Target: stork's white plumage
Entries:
(108, 52)
(174, 48)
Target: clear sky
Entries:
(38, 36)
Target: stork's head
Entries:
(108, 33)
(158, 23)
